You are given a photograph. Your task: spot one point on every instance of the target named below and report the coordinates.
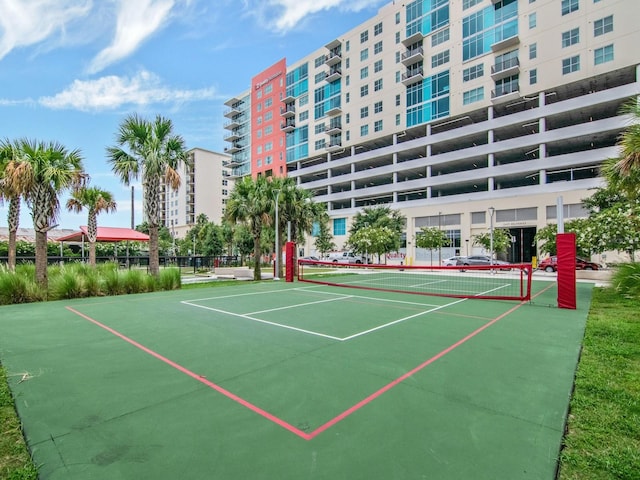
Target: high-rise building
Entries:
(204, 189)
(460, 114)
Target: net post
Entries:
(566, 252)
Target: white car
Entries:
(450, 262)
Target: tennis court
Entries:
(293, 380)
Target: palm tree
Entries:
(96, 201)
(629, 141)
(250, 202)
(12, 188)
(154, 155)
(49, 169)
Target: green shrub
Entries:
(66, 284)
(151, 284)
(112, 283)
(18, 289)
(626, 280)
(133, 281)
(169, 279)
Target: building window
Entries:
(320, 77)
(347, 44)
(268, 116)
(364, 130)
(474, 95)
(397, 37)
(268, 102)
(398, 77)
(602, 26)
(569, 6)
(473, 72)
(440, 37)
(268, 130)
(377, 85)
(377, 66)
(397, 18)
(377, 107)
(364, 36)
(397, 100)
(571, 64)
(364, 90)
(320, 144)
(318, 62)
(602, 55)
(533, 76)
(364, 54)
(347, 80)
(377, 29)
(364, 112)
(397, 119)
(364, 72)
(319, 128)
(533, 20)
(348, 117)
(339, 226)
(377, 48)
(469, 3)
(533, 51)
(304, 115)
(440, 59)
(377, 126)
(571, 37)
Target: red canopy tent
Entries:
(107, 234)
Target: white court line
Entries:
(247, 317)
(298, 305)
(368, 298)
(239, 295)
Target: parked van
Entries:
(345, 257)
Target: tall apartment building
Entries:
(459, 113)
(204, 189)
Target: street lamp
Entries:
(277, 272)
(491, 212)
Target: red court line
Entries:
(279, 421)
(197, 377)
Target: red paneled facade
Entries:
(268, 145)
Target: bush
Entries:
(133, 281)
(67, 284)
(169, 279)
(626, 280)
(112, 284)
(18, 289)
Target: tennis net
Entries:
(503, 282)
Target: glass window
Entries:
(474, 95)
(364, 54)
(602, 26)
(469, 3)
(602, 55)
(377, 48)
(377, 85)
(533, 76)
(440, 37)
(397, 100)
(533, 20)
(569, 6)
(571, 37)
(364, 36)
(364, 90)
(364, 130)
(397, 18)
(377, 107)
(397, 119)
(571, 64)
(440, 59)
(377, 67)
(377, 29)
(397, 37)
(364, 72)
(339, 226)
(364, 112)
(533, 51)
(473, 72)
(377, 126)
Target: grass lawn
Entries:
(603, 431)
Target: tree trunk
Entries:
(92, 254)
(154, 252)
(257, 253)
(13, 219)
(12, 251)
(41, 260)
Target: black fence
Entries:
(196, 263)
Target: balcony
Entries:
(412, 76)
(288, 111)
(413, 38)
(333, 44)
(235, 147)
(334, 57)
(333, 74)
(333, 127)
(412, 56)
(505, 68)
(334, 110)
(333, 146)
(232, 101)
(288, 126)
(231, 124)
(289, 98)
(232, 136)
(232, 112)
(506, 93)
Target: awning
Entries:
(107, 234)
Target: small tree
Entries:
(324, 241)
(501, 240)
(378, 240)
(432, 238)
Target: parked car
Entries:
(345, 257)
(310, 257)
(451, 261)
(483, 260)
(550, 264)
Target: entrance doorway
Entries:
(522, 248)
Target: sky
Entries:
(72, 70)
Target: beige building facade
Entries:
(448, 110)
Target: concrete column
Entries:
(428, 171)
(542, 125)
(395, 158)
(542, 99)
(490, 160)
(543, 177)
(490, 136)
(490, 113)
(542, 150)
(428, 192)
(491, 184)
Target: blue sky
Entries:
(71, 70)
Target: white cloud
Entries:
(292, 12)
(137, 20)
(112, 92)
(29, 22)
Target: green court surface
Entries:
(276, 380)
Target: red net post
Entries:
(566, 246)
(290, 249)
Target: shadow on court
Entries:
(293, 381)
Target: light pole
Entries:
(173, 240)
(491, 212)
(277, 272)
